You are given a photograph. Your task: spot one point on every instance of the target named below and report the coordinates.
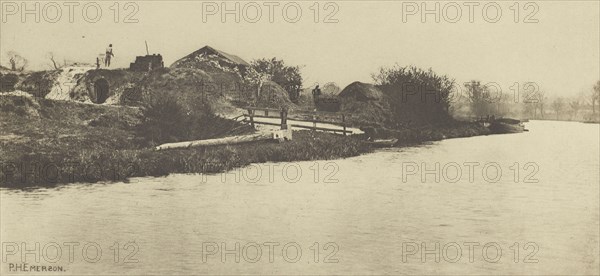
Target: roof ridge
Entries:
(231, 57)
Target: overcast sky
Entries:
(560, 52)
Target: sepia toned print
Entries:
(299, 137)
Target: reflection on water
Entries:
(370, 213)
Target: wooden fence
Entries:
(314, 117)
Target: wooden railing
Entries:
(314, 117)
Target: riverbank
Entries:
(47, 143)
(586, 121)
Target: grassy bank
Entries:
(46, 143)
(104, 164)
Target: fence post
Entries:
(284, 113)
(344, 123)
(314, 119)
(251, 114)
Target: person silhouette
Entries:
(109, 55)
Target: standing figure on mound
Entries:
(316, 93)
(109, 55)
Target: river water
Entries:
(505, 204)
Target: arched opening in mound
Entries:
(100, 91)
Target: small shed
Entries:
(147, 63)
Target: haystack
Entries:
(367, 103)
(361, 92)
(189, 87)
(212, 60)
(273, 96)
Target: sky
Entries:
(555, 44)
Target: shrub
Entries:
(164, 120)
(8, 82)
(171, 119)
(415, 95)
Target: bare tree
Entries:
(17, 62)
(52, 58)
(574, 109)
(528, 109)
(479, 98)
(558, 105)
(534, 102)
(541, 103)
(503, 104)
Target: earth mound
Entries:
(213, 76)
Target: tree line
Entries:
(481, 100)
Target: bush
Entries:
(8, 82)
(415, 95)
(39, 83)
(165, 120)
(172, 119)
(22, 106)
